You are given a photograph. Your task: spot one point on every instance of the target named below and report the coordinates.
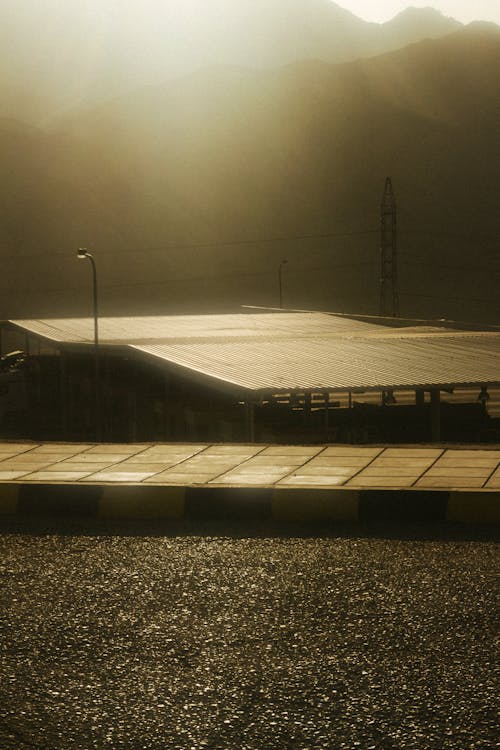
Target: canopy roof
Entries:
(272, 352)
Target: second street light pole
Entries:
(83, 254)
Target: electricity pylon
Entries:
(389, 296)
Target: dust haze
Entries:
(195, 146)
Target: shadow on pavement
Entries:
(57, 525)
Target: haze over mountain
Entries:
(58, 55)
(172, 184)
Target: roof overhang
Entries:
(264, 354)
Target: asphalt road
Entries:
(229, 638)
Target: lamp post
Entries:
(280, 273)
(83, 254)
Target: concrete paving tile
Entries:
(55, 476)
(168, 459)
(26, 466)
(412, 452)
(418, 464)
(204, 467)
(236, 458)
(355, 461)
(118, 448)
(76, 465)
(387, 481)
(470, 463)
(351, 450)
(133, 465)
(292, 450)
(64, 448)
(453, 483)
(31, 457)
(464, 471)
(98, 458)
(202, 458)
(456, 453)
(7, 476)
(327, 471)
(16, 447)
(306, 480)
(53, 458)
(130, 466)
(246, 479)
(179, 479)
(268, 462)
(233, 450)
(118, 476)
(272, 470)
(187, 449)
(384, 471)
(6, 456)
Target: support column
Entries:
(166, 409)
(435, 415)
(419, 397)
(250, 421)
(307, 402)
(106, 394)
(63, 393)
(307, 408)
(132, 415)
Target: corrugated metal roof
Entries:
(340, 364)
(296, 351)
(165, 328)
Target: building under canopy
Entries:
(257, 376)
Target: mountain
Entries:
(413, 25)
(193, 192)
(57, 56)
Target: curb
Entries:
(283, 504)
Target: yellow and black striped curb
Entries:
(287, 504)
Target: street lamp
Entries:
(280, 272)
(83, 254)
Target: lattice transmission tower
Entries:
(389, 296)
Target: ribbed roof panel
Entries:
(341, 363)
(294, 351)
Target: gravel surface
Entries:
(226, 640)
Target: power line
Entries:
(452, 236)
(445, 267)
(207, 245)
(160, 249)
(263, 241)
(270, 272)
(213, 278)
(481, 300)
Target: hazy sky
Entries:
(463, 10)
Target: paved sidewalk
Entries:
(465, 468)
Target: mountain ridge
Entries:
(181, 188)
(104, 54)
